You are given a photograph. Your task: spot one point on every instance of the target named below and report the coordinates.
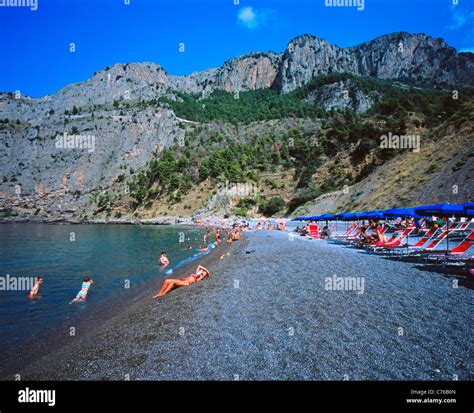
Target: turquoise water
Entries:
(114, 256)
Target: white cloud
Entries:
(460, 18)
(252, 18)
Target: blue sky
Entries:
(34, 48)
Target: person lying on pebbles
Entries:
(171, 283)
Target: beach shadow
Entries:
(461, 273)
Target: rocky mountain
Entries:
(397, 55)
(112, 111)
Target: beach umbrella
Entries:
(401, 213)
(350, 216)
(444, 210)
(373, 215)
(300, 219)
(469, 207)
(327, 217)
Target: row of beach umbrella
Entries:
(439, 210)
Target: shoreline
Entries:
(115, 221)
(57, 339)
(266, 314)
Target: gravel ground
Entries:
(265, 314)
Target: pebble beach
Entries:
(270, 312)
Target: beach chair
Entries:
(396, 243)
(314, 232)
(353, 236)
(348, 232)
(464, 245)
(456, 256)
(461, 248)
(424, 239)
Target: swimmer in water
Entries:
(35, 290)
(171, 283)
(82, 295)
(164, 258)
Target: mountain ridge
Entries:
(133, 112)
(300, 40)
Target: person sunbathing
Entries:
(380, 236)
(171, 283)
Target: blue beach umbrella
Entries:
(350, 216)
(373, 215)
(446, 211)
(469, 206)
(327, 217)
(443, 210)
(401, 213)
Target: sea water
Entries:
(119, 258)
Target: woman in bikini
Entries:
(82, 295)
(172, 283)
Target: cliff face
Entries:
(249, 72)
(125, 138)
(397, 55)
(343, 95)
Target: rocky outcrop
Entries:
(343, 95)
(250, 72)
(307, 57)
(393, 56)
(106, 149)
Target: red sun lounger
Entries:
(397, 242)
(424, 239)
(314, 232)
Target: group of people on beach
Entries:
(169, 283)
(271, 226)
(201, 273)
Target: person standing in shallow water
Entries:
(35, 290)
(82, 295)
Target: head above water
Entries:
(163, 252)
(87, 279)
